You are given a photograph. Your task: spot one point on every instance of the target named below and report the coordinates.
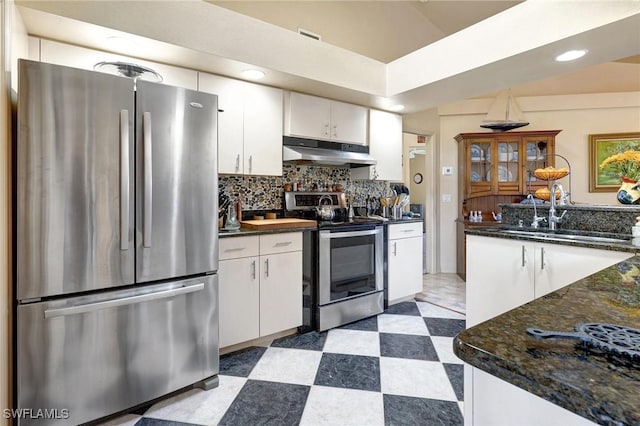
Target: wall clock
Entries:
(417, 178)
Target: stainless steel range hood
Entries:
(324, 153)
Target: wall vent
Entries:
(309, 34)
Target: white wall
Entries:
(577, 116)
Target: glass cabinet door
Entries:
(538, 155)
(480, 166)
(481, 162)
(508, 161)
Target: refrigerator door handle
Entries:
(148, 176)
(124, 179)
(96, 306)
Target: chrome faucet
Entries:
(536, 218)
(553, 219)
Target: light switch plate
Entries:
(447, 171)
(446, 198)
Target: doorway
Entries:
(419, 174)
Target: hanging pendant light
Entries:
(504, 114)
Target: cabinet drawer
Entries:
(280, 243)
(405, 230)
(237, 247)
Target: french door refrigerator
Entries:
(116, 243)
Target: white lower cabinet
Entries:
(239, 289)
(260, 286)
(503, 274)
(280, 292)
(503, 404)
(404, 260)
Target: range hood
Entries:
(324, 153)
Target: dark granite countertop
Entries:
(546, 236)
(404, 220)
(592, 383)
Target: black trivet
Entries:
(610, 337)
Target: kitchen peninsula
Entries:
(521, 278)
(592, 383)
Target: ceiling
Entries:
(376, 53)
(382, 30)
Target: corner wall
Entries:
(5, 203)
(13, 44)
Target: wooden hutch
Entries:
(496, 168)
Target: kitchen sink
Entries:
(565, 236)
(589, 238)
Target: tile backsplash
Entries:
(266, 192)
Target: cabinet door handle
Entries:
(250, 163)
(266, 268)
(283, 244)
(238, 163)
(253, 270)
(335, 131)
(325, 131)
(234, 249)
(524, 257)
(542, 259)
(395, 248)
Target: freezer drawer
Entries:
(100, 354)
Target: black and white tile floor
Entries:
(396, 368)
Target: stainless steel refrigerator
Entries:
(116, 243)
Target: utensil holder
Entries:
(396, 212)
(385, 211)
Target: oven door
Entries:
(350, 264)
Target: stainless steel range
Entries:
(343, 261)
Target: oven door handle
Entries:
(331, 235)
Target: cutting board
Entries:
(284, 223)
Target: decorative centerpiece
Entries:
(626, 165)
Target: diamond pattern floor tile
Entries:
(267, 403)
(394, 368)
(407, 346)
(349, 371)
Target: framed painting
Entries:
(603, 146)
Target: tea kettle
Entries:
(325, 212)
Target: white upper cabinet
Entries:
(385, 145)
(263, 109)
(348, 123)
(308, 116)
(319, 118)
(230, 121)
(249, 126)
(80, 57)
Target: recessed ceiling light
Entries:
(397, 107)
(571, 55)
(253, 74)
